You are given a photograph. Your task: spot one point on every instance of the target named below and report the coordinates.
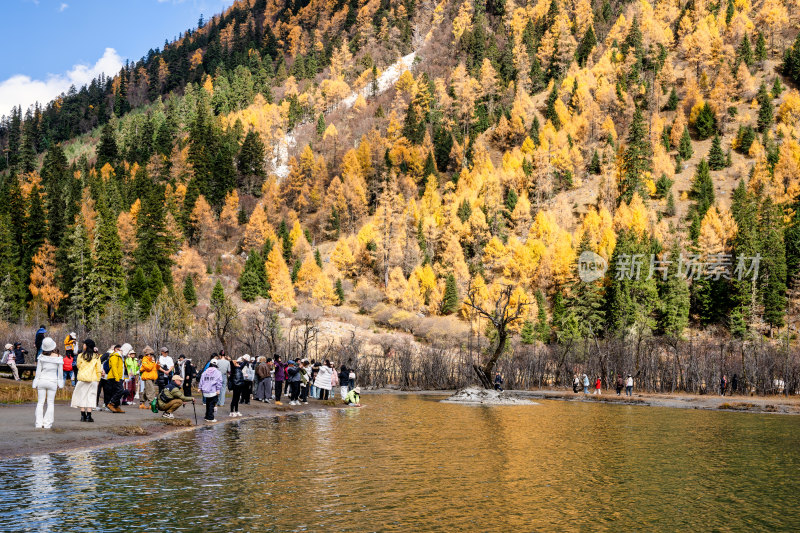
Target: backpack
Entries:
(106, 365)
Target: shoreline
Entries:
(139, 426)
(135, 426)
(785, 405)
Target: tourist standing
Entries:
(84, 397)
(723, 385)
(69, 373)
(344, 379)
(9, 358)
(41, 333)
(249, 374)
(171, 397)
(293, 378)
(149, 375)
(585, 384)
(323, 381)
(166, 367)
(305, 380)
(629, 385)
(113, 390)
(131, 374)
(224, 366)
(598, 385)
(49, 378)
(188, 372)
(280, 377)
(264, 373)
(620, 385)
(498, 382)
(210, 386)
(237, 385)
(576, 384)
(69, 344)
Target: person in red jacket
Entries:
(598, 384)
(69, 373)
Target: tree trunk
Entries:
(485, 373)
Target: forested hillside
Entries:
(284, 152)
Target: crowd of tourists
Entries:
(119, 377)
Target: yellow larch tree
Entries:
(44, 286)
(281, 290)
(229, 216)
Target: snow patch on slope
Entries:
(387, 79)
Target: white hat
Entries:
(126, 349)
(48, 344)
(246, 357)
(9, 346)
(73, 335)
(357, 390)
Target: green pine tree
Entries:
(766, 111)
(685, 146)
(550, 111)
(339, 291)
(637, 158)
(542, 327)
(189, 293)
(716, 157)
(594, 166)
(745, 51)
(672, 100)
(450, 298)
(674, 297)
(772, 267)
(528, 333)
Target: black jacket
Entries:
(237, 378)
(19, 356)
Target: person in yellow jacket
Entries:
(84, 396)
(69, 344)
(113, 391)
(149, 374)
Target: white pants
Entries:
(343, 391)
(597, 391)
(47, 391)
(14, 371)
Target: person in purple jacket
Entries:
(280, 377)
(211, 385)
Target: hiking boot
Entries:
(167, 415)
(142, 406)
(278, 403)
(83, 416)
(89, 417)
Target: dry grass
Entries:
(738, 406)
(177, 422)
(22, 392)
(130, 431)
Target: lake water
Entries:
(410, 463)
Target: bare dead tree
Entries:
(222, 318)
(504, 313)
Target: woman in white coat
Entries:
(49, 378)
(323, 381)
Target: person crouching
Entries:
(172, 397)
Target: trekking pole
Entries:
(195, 412)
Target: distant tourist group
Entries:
(162, 384)
(622, 383)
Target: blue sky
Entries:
(49, 44)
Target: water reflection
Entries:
(410, 463)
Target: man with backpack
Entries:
(171, 397)
(41, 333)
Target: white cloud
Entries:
(63, 6)
(20, 89)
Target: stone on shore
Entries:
(479, 396)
